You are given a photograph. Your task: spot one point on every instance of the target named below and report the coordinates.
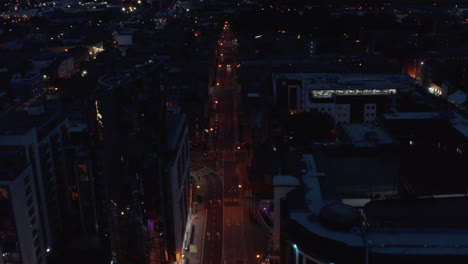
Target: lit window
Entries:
(3, 193)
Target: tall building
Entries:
(20, 223)
(179, 165)
(81, 207)
(31, 138)
(145, 166)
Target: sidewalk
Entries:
(196, 221)
(196, 236)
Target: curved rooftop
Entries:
(286, 180)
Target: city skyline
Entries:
(233, 132)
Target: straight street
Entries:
(243, 238)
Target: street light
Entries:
(198, 186)
(258, 256)
(240, 186)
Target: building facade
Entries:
(39, 133)
(348, 98)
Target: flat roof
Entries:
(422, 213)
(346, 81)
(352, 174)
(285, 180)
(460, 123)
(412, 115)
(419, 241)
(12, 162)
(314, 226)
(18, 122)
(458, 97)
(367, 135)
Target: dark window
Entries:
(31, 211)
(28, 190)
(293, 98)
(30, 201)
(26, 180)
(3, 193)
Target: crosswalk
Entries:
(197, 170)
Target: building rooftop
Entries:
(12, 162)
(366, 135)
(458, 97)
(430, 226)
(313, 225)
(413, 115)
(356, 174)
(353, 81)
(285, 180)
(18, 121)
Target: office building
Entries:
(20, 220)
(145, 166)
(312, 225)
(348, 98)
(34, 136)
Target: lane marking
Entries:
(203, 242)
